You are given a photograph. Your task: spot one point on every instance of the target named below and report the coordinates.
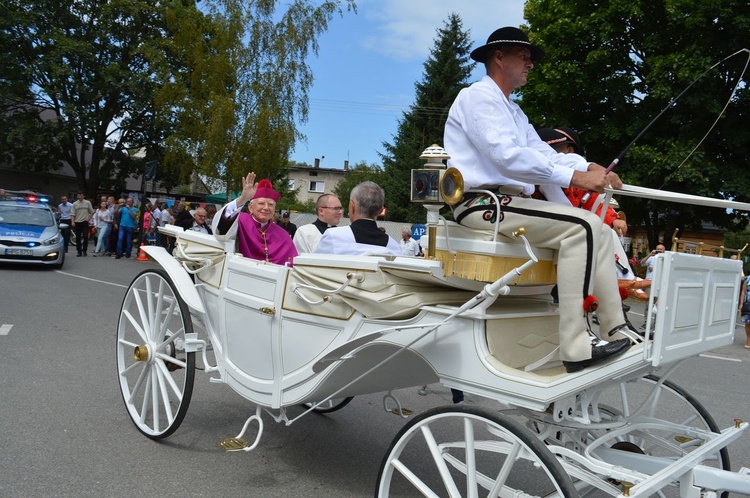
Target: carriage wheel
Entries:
(155, 373)
(463, 451)
(671, 403)
(332, 405)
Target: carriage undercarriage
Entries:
(335, 327)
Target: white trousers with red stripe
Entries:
(585, 264)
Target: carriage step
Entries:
(402, 412)
(233, 444)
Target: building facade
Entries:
(311, 182)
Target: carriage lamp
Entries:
(425, 182)
(424, 185)
(425, 189)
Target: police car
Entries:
(28, 231)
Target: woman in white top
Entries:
(102, 220)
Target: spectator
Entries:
(116, 227)
(287, 225)
(156, 215)
(329, 211)
(65, 209)
(409, 246)
(167, 218)
(183, 217)
(128, 222)
(81, 214)
(648, 261)
(199, 222)
(210, 213)
(103, 221)
(147, 222)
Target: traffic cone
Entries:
(142, 254)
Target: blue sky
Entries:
(367, 67)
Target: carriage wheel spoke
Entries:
(156, 387)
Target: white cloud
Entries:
(406, 29)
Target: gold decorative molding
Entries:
(488, 268)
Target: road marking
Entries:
(91, 279)
(5, 328)
(719, 358)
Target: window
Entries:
(290, 186)
(317, 187)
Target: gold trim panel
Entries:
(488, 268)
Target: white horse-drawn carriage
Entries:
(476, 316)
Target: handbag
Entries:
(745, 308)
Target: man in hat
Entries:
(287, 225)
(362, 236)
(330, 211)
(257, 236)
(491, 142)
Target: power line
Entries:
(374, 108)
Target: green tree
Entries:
(256, 89)
(361, 172)
(215, 89)
(611, 67)
(446, 72)
(81, 80)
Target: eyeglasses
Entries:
(200, 215)
(334, 208)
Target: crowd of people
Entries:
(115, 226)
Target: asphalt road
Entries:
(64, 430)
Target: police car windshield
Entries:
(25, 215)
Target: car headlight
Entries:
(54, 240)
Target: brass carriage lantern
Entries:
(425, 189)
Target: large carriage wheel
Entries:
(671, 403)
(155, 373)
(462, 451)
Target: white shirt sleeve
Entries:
(491, 142)
(231, 210)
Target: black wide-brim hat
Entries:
(509, 37)
(560, 136)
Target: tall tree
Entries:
(246, 111)
(446, 71)
(215, 89)
(611, 67)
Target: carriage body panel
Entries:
(345, 325)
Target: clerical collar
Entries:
(262, 225)
(321, 225)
